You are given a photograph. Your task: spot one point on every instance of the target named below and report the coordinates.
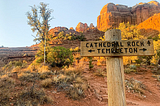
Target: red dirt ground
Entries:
(96, 95)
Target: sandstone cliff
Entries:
(151, 23)
(151, 26)
(111, 15)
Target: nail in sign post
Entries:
(114, 49)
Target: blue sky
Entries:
(15, 32)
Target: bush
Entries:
(32, 97)
(71, 81)
(135, 86)
(129, 70)
(7, 86)
(90, 63)
(26, 76)
(133, 67)
(46, 83)
(101, 73)
(12, 64)
(60, 56)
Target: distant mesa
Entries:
(111, 15)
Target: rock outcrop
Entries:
(151, 23)
(81, 27)
(71, 28)
(58, 29)
(111, 15)
(91, 25)
(151, 26)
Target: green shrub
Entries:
(129, 70)
(15, 64)
(60, 56)
(40, 59)
(101, 73)
(90, 63)
(133, 67)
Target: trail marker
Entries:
(117, 48)
(114, 48)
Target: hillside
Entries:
(151, 26)
(68, 79)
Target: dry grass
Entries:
(12, 93)
(46, 83)
(33, 97)
(25, 76)
(101, 73)
(71, 81)
(6, 87)
(44, 72)
(134, 86)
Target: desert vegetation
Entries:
(25, 83)
(58, 75)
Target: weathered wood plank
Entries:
(115, 74)
(117, 48)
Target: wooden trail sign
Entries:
(117, 48)
(114, 48)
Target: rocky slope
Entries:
(111, 15)
(151, 23)
(90, 33)
(151, 26)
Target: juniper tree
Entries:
(39, 19)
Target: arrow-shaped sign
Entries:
(91, 50)
(148, 42)
(144, 49)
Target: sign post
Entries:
(114, 49)
(115, 74)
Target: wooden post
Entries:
(115, 74)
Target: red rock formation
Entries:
(81, 27)
(151, 23)
(111, 15)
(91, 25)
(151, 26)
(55, 30)
(71, 28)
(58, 29)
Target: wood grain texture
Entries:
(115, 74)
(121, 48)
